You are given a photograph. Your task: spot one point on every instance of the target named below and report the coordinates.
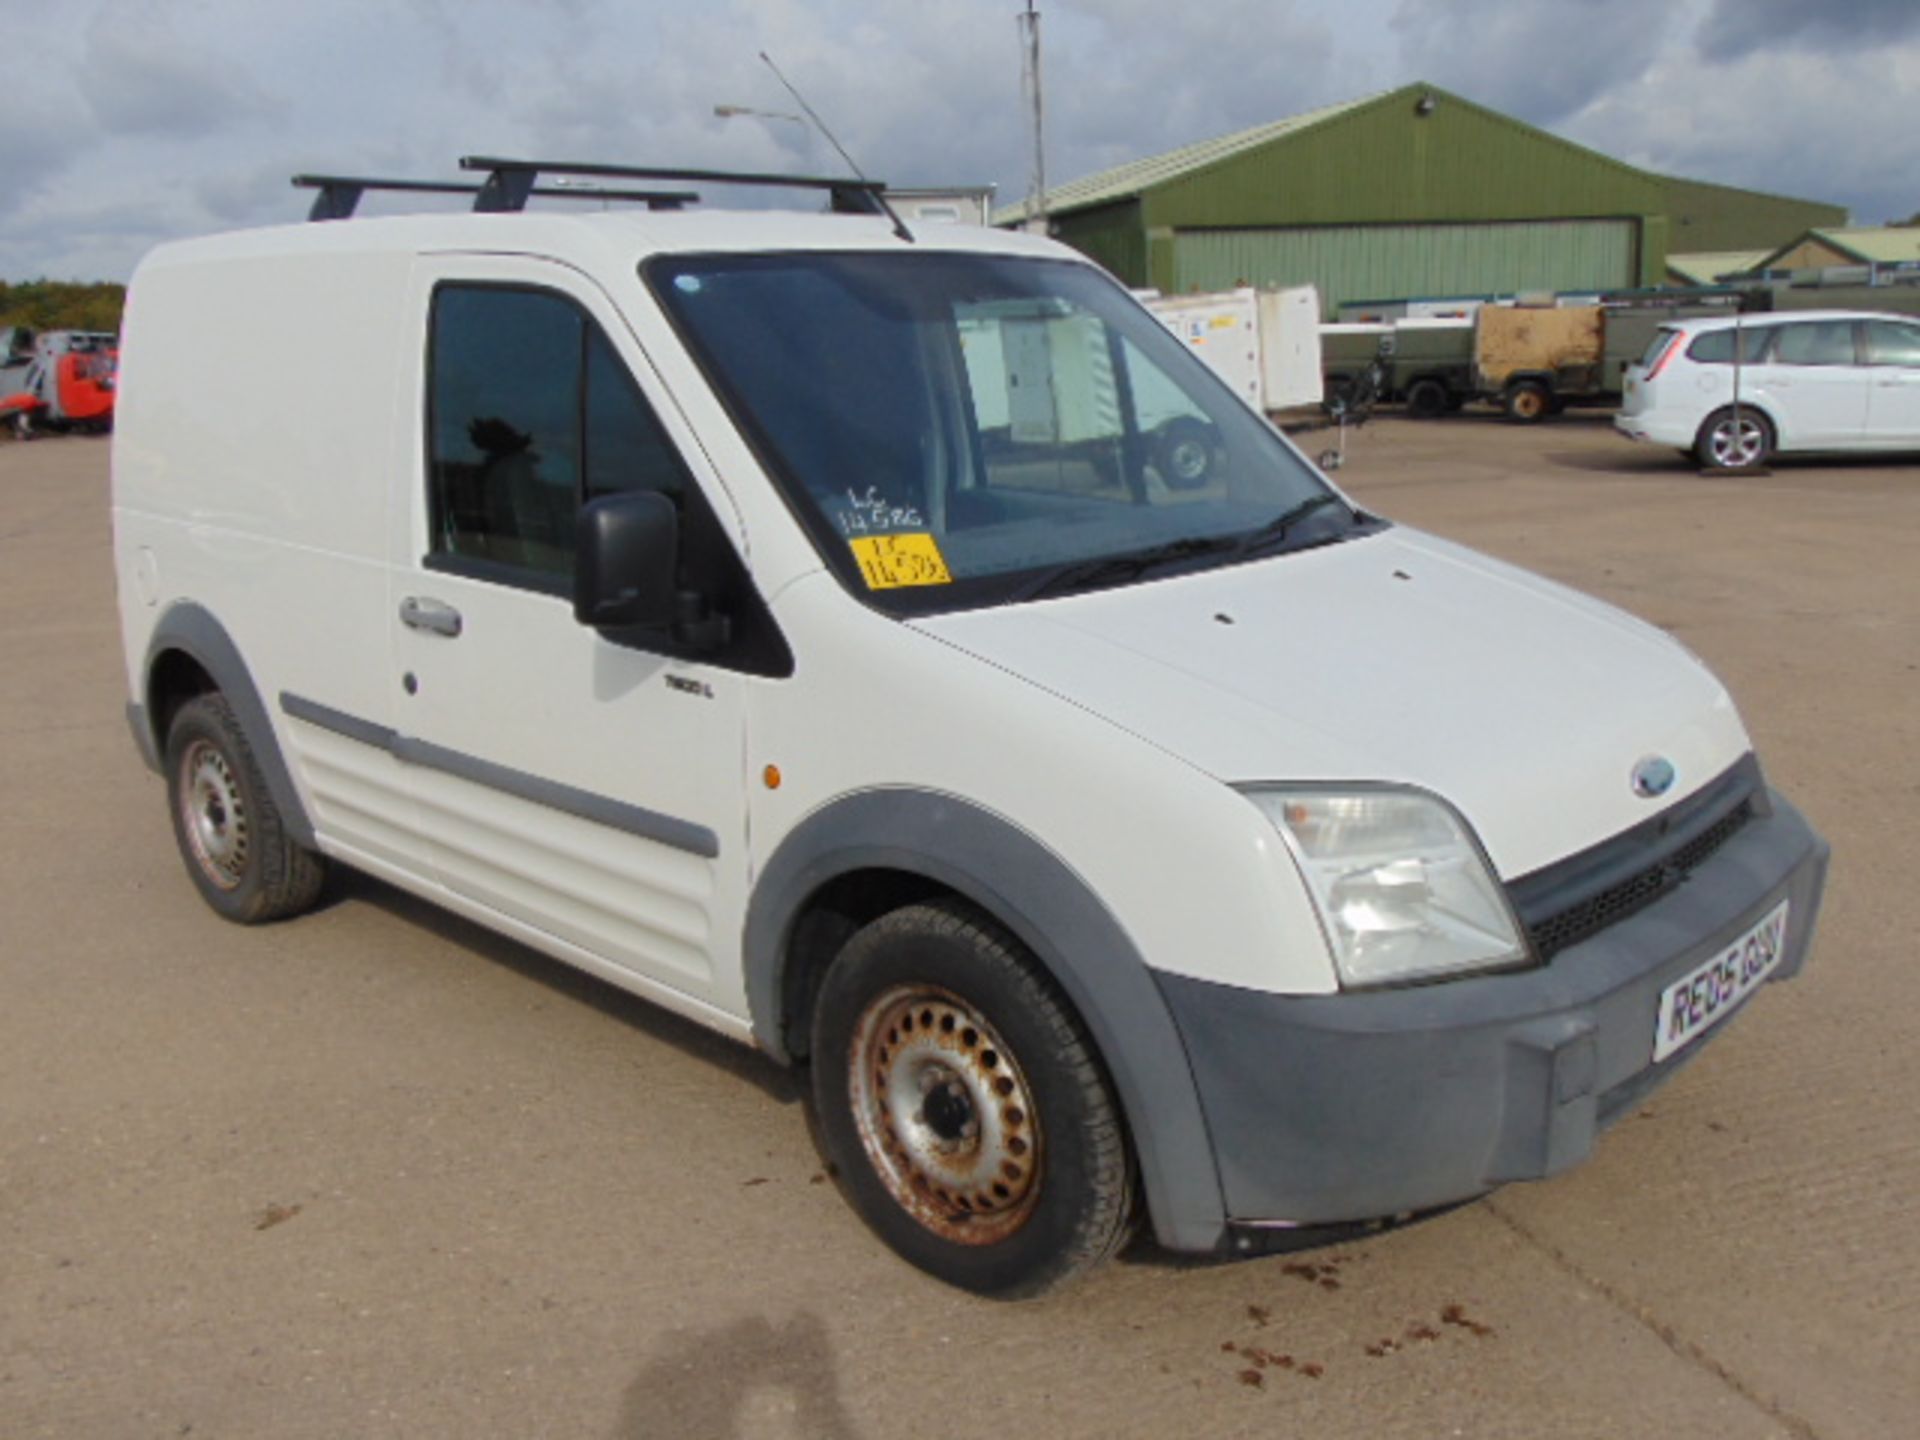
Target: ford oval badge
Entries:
(1653, 776)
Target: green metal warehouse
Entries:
(1416, 192)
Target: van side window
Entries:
(1816, 342)
(625, 447)
(531, 412)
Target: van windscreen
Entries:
(958, 430)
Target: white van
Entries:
(673, 593)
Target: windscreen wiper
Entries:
(1276, 529)
(1112, 569)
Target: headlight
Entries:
(1401, 884)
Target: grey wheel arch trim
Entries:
(192, 630)
(1026, 887)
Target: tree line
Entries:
(62, 305)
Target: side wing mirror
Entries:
(627, 548)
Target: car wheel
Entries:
(231, 835)
(1528, 402)
(1427, 400)
(1183, 453)
(963, 1108)
(1734, 441)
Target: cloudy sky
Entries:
(127, 122)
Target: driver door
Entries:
(588, 792)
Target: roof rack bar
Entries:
(340, 194)
(647, 172)
(504, 191)
(510, 181)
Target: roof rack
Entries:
(340, 194)
(510, 182)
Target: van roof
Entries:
(598, 238)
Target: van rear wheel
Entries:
(963, 1107)
(230, 833)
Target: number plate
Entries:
(1692, 1006)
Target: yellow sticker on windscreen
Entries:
(888, 562)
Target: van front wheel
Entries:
(229, 831)
(963, 1107)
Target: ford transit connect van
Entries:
(785, 617)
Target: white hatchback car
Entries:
(1814, 380)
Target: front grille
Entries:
(1589, 917)
(1577, 898)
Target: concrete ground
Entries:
(377, 1173)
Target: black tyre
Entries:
(1734, 441)
(229, 831)
(1427, 399)
(1528, 402)
(963, 1107)
(1184, 453)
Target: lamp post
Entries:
(729, 112)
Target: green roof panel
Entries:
(1125, 181)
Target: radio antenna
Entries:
(818, 123)
(879, 192)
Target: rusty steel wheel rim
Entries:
(945, 1114)
(213, 815)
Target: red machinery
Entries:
(60, 380)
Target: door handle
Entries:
(420, 613)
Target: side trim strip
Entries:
(615, 814)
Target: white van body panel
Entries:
(1265, 673)
(279, 529)
(1192, 871)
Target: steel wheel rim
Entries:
(213, 815)
(945, 1114)
(1736, 444)
(1528, 404)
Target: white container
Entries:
(1264, 343)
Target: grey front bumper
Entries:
(1331, 1108)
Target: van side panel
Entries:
(277, 531)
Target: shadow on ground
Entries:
(350, 886)
(701, 1383)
